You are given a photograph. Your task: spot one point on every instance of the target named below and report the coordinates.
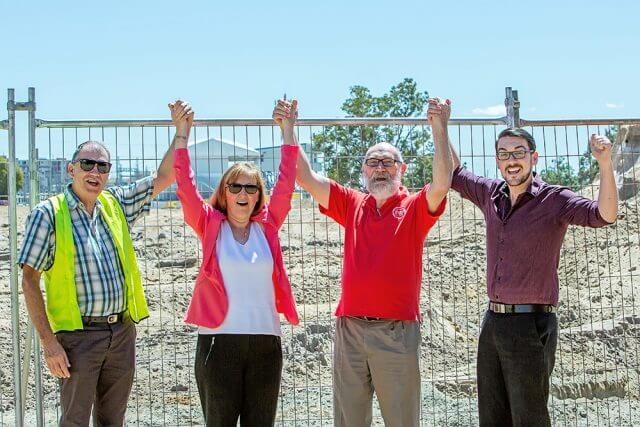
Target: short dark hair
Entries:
(518, 133)
(86, 143)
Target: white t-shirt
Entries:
(247, 274)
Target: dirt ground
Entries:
(596, 377)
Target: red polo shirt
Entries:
(382, 264)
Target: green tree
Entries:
(562, 173)
(344, 146)
(4, 174)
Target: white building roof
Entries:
(216, 147)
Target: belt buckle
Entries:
(499, 308)
(112, 318)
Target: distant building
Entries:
(209, 159)
(126, 171)
(52, 175)
(270, 161)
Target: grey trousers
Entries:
(103, 361)
(380, 356)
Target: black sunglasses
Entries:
(88, 164)
(236, 188)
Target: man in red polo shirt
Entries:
(377, 340)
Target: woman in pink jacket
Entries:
(242, 284)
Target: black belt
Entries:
(497, 307)
(110, 319)
(369, 318)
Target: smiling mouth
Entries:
(93, 182)
(514, 170)
(243, 203)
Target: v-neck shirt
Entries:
(247, 271)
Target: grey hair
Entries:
(88, 143)
(390, 147)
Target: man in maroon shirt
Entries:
(526, 222)
(377, 337)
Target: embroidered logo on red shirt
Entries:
(399, 212)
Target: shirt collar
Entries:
(73, 201)
(391, 201)
(533, 188)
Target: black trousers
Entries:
(516, 354)
(238, 376)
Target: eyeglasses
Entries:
(87, 165)
(236, 188)
(373, 162)
(519, 154)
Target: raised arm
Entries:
(438, 115)
(471, 187)
(193, 205)
(454, 157)
(285, 114)
(608, 194)
(165, 174)
(280, 200)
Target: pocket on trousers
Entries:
(541, 327)
(277, 344)
(69, 340)
(209, 355)
(484, 320)
(545, 324)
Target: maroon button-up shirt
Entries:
(524, 240)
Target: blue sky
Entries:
(232, 59)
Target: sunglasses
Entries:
(237, 188)
(87, 165)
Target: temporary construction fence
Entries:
(596, 377)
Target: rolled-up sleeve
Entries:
(474, 188)
(578, 210)
(38, 246)
(340, 200)
(135, 198)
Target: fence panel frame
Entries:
(20, 378)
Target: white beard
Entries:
(382, 189)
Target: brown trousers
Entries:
(380, 356)
(103, 361)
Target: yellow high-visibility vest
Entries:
(59, 281)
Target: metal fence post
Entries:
(34, 198)
(509, 104)
(13, 254)
(512, 103)
(516, 109)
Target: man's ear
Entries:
(70, 169)
(534, 158)
(403, 168)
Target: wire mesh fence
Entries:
(596, 378)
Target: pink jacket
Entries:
(209, 303)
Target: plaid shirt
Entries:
(100, 282)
